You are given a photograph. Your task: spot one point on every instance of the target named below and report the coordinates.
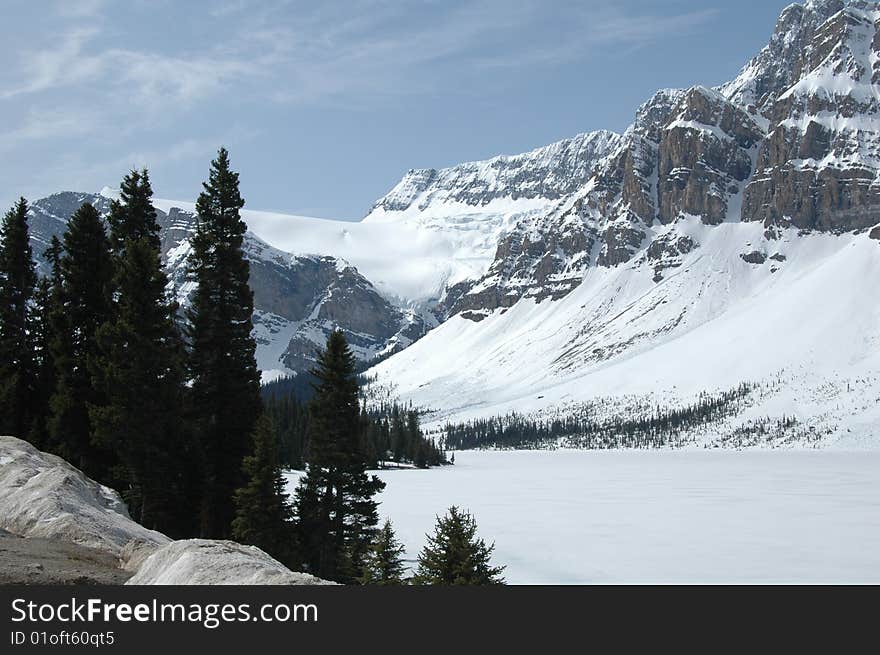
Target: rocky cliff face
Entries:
(705, 155)
(818, 167)
(48, 217)
(298, 300)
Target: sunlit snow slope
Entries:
(807, 327)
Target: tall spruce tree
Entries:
(454, 555)
(383, 564)
(139, 370)
(17, 280)
(225, 383)
(85, 304)
(334, 506)
(45, 319)
(262, 511)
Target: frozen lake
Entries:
(581, 517)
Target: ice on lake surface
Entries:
(582, 517)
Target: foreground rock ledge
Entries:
(210, 562)
(43, 497)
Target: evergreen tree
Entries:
(133, 216)
(17, 280)
(45, 322)
(455, 556)
(262, 512)
(384, 561)
(398, 435)
(85, 304)
(225, 383)
(139, 370)
(334, 505)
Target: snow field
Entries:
(588, 517)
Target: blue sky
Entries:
(324, 105)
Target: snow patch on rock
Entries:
(211, 562)
(41, 495)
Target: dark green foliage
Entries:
(384, 561)
(133, 216)
(454, 555)
(138, 369)
(225, 390)
(388, 433)
(262, 511)
(334, 506)
(17, 365)
(396, 436)
(85, 303)
(302, 386)
(45, 319)
(652, 428)
(290, 419)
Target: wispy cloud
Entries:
(299, 52)
(643, 30)
(64, 65)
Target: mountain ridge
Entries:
(782, 163)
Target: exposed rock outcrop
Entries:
(818, 168)
(705, 155)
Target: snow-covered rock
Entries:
(819, 167)
(212, 562)
(41, 495)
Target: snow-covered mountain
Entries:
(298, 299)
(724, 238)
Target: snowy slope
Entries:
(402, 262)
(807, 328)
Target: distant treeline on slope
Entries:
(658, 427)
(389, 433)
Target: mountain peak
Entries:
(109, 192)
(549, 173)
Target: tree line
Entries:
(388, 433)
(658, 427)
(99, 365)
